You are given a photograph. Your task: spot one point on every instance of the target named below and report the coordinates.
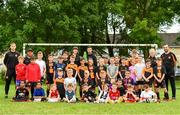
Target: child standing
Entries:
(159, 75)
(112, 70)
(41, 64)
(72, 66)
(60, 83)
(33, 75)
(127, 80)
(147, 73)
(59, 64)
(49, 73)
(20, 71)
(122, 68)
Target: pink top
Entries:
(132, 74)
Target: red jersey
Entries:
(21, 72)
(54, 94)
(33, 73)
(114, 95)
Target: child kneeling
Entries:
(22, 94)
(103, 96)
(70, 94)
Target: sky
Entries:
(175, 28)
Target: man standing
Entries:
(91, 55)
(28, 56)
(10, 61)
(169, 61)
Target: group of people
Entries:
(104, 80)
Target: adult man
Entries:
(28, 56)
(10, 61)
(91, 55)
(169, 62)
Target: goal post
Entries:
(74, 44)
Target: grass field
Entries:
(9, 107)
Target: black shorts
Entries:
(161, 85)
(31, 84)
(139, 82)
(150, 83)
(49, 79)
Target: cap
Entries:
(75, 48)
(59, 69)
(29, 49)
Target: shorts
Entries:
(149, 83)
(49, 79)
(161, 85)
(139, 82)
(31, 84)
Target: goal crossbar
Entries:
(73, 44)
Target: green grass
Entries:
(9, 107)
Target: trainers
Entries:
(6, 96)
(173, 99)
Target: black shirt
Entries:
(11, 59)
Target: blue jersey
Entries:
(39, 92)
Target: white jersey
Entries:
(42, 66)
(69, 80)
(139, 69)
(147, 95)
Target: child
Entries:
(100, 67)
(88, 94)
(70, 94)
(69, 79)
(22, 94)
(159, 75)
(122, 68)
(132, 70)
(82, 68)
(65, 56)
(60, 64)
(53, 95)
(103, 95)
(60, 83)
(103, 79)
(20, 71)
(92, 72)
(138, 71)
(147, 73)
(33, 75)
(39, 94)
(41, 64)
(72, 66)
(120, 87)
(112, 70)
(148, 95)
(114, 95)
(127, 80)
(130, 97)
(49, 73)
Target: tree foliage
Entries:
(84, 21)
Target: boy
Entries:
(138, 71)
(69, 79)
(148, 95)
(41, 64)
(60, 64)
(22, 94)
(103, 79)
(70, 94)
(100, 67)
(82, 68)
(122, 68)
(127, 80)
(114, 95)
(65, 56)
(120, 87)
(72, 66)
(130, 97)
(60, 83)
(20, 71)
(33, 75)
(49, 73)
(112, 70)
(103, 95)
(147, 73)
(88, 94)
(39, 94)
(159, 75)
(53, 95)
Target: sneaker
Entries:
(173, 99)
(6, 96)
